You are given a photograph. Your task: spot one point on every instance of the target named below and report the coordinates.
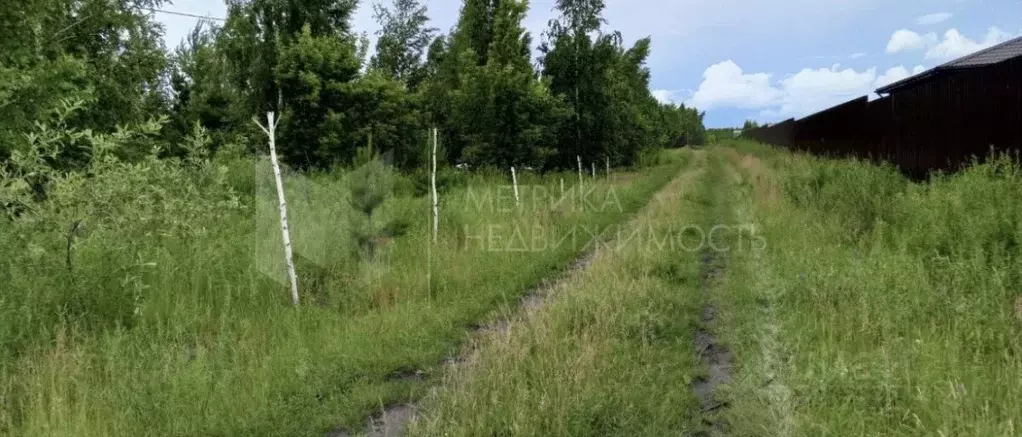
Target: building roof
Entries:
(994, 55)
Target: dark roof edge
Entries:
(907, 81)
(942, 67)
(949, 64)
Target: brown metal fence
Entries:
(937, 124)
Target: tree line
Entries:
(586, 95)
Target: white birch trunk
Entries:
(436, 196)
(608, 167)
(270, 130)
(562, 188)
(579, 158)
(514, 181)
(593, 164)
(581, 193)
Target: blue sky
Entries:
(759, 59)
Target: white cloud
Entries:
(955, 45)
(931, 19)
(857, 55)
(891, 76)
(905, 39)
(895, 74)
(724, 84)
(665, 96)
(808, 91)
(811, 90)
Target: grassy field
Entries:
(164, 319)
(862, 305)
(853, 303)
(610, 351)
(879, 306)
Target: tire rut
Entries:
(394, 420)
(713, 356)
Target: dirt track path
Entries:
(394, 420)
(715, 357)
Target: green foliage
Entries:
(131, 205)
(474, 31)
(105, 54)
(260, 32)
(606, 87)
(202, 91)
(371, 184)
(166, 313)
(604, 356)
(501, 112)
(381, 107)
(127, 188)
(717, 135)
(315, 73)
(403, 39)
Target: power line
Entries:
(183, 14)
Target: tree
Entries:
(107, 54)
(371, 183)
(201, 95)
(403, 39)
(578, 69)
(500, 114)
(257, 32)
(474, 30)
(315, 73)
(606, 87)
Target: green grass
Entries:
(879, 306)
(610, 353)
(862, 304)
(167, 325)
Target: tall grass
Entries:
(880, 306)
(171, 320)
(608, 354)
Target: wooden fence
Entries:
(937, 124)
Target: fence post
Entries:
(436, 196)
(581, 193)
(579, 159)
(270, 129)
(514, 181)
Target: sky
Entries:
(763, 60)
